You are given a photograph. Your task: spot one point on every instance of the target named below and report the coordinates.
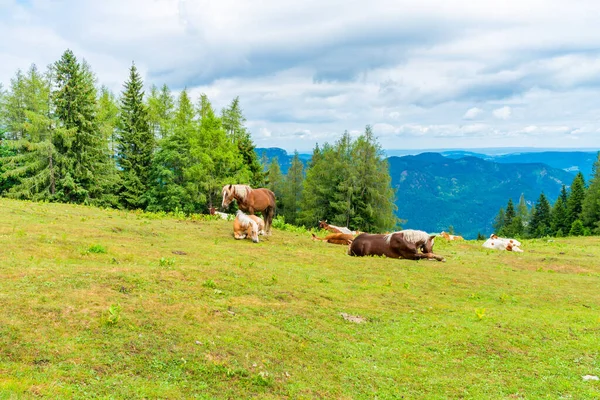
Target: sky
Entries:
(423, 73)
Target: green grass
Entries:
(222, 318)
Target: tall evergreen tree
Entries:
(275, 182)
(86, 159)
(590, 211)
(233, 122)
(108, 118)
(160, 111)
(315, 196)
(135, 144)
(216, 161)
(498, 223)
(292, 190)
(559, 221)
(575, 200)
(540, 218)
(373, 197)
(169, 182)
(522, 210)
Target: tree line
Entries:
(64, 139)
(576, 212)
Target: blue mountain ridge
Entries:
(465, 189)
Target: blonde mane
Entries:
(241, 191)
(411, 235)
(245, 221)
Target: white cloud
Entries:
(472, 113)
(305, 72)
(502, 113)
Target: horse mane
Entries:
(245, 220)
(411, 235)
(242, 191)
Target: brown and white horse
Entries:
(336, 238)
(401, 244)
(336, 229)
(244, 226)
(251, 201)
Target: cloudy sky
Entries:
(423, 73)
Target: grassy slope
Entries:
(233, 319)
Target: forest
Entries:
(65, 138)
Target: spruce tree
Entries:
(169, 182)
(575, 200)
(373, 197)
(160, 111)
(275, 182)
(522, 210)
(233, 122)
(590, 211)
(577, 228)
(86, 160)
(559, 218)
(292, 190)
(541, 218)
(135, 144)
(498, 223)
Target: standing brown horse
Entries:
(402, 244)
(251, 200)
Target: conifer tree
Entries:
(169, 183)
(160, 111)
(292, 190)
(540, 218)
(373, 197)
(275, 182)
(135, 144)
(522, 210)
(590, 211)
(575, 200)
(85, 157)
(216, 160)
(559, 218)
(499, 221)
(233, 122)
(577, 228)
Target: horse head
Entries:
(323, 224)
(228, 194)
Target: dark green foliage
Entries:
(577, 228)
(85, 168)
(499, 221)
(480, 236)
(590, 211)
(540, 218)
(160, 111)
(169, 184)
(559, 221)
(135, 144)
(233, 121)
(575, 200)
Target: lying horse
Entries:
(244, 226)
(402, 244)
(251, 200)
(448, 236)
(336, 229)
(336, 238)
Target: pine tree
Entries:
(373, 197)
(343, 180)
(577, 228)
(508, 227)
(86, 159)
(216, 161)
(292, 190)
(233, 122)
(315, 196)
(559, 218)
(160, 111)
(522, 210)
(275, 182)
(499, 221)
(135, 144)
(169, 183)
(575, 200)
(590, 211)
(541, 218)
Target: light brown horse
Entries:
(336, 229)
(244, 226)
(336, 238)
(251, 201)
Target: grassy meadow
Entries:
(122, 305)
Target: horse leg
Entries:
(269, 212)
(431, 256)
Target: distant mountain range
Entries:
(465, 189)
